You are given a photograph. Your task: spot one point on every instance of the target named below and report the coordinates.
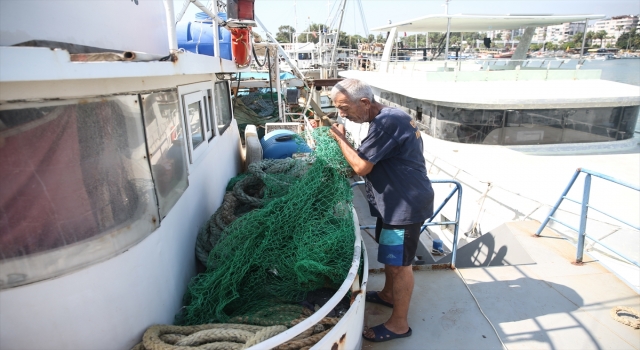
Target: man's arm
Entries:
(360, 166)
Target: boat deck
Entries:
(550, 304)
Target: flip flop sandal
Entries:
(381, 333)
(373, 297)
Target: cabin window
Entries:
(166, 145)
(222, 103)
(197, 118)
(530, 126)
(628, 122)
(71, 171)
(469, 125)
(304, 56)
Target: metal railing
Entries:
(430, 222)
(583, 214)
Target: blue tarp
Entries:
(265, 76)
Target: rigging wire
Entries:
(364, 21)
(330, 15)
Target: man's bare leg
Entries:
(401, 278)
(386, 293)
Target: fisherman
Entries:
(398, 191)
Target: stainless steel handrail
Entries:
(581, 230)
(430, 222)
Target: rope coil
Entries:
(615, 314)
(229, 336)
(223, 336)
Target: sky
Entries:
(274, 13)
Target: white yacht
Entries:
(515, 134)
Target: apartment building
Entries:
(558, 33)
(615, 27)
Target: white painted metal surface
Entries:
(481, 23)
(109, 305)
(116, 25)
(504, 94)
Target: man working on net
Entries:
(398, 191)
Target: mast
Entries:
(446, 49)
(295, 41)
(337, 39)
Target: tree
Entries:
(601, 34)
(629, 40)
(577, 38)
(312, 34)
(550, 46)
(355, 40)
(434, 38)
(285, 34)
(619, 29)
(590, 37)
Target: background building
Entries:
(615, 27)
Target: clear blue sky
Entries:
(274, 13)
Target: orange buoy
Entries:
(240, 46)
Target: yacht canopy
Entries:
(481, 23)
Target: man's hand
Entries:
(360, 166)
(337, 131)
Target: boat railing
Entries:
(429, 222)
(484, 64)
(489, 70)
(581, 230)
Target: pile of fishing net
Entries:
(255, 109)
(285, 229)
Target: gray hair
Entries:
(353, 89)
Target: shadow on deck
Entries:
(527, 287)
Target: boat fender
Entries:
(253, 148)
(241, 46)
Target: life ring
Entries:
(240, 46)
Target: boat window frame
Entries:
(218, 108)
(112, 240)
(189, 94)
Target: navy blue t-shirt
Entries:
(398, 189)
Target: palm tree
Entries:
(590, 37)
(601, 34)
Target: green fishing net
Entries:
(288, 231)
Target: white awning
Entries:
(482, 23)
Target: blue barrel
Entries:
(197, 36)
(280, 144)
